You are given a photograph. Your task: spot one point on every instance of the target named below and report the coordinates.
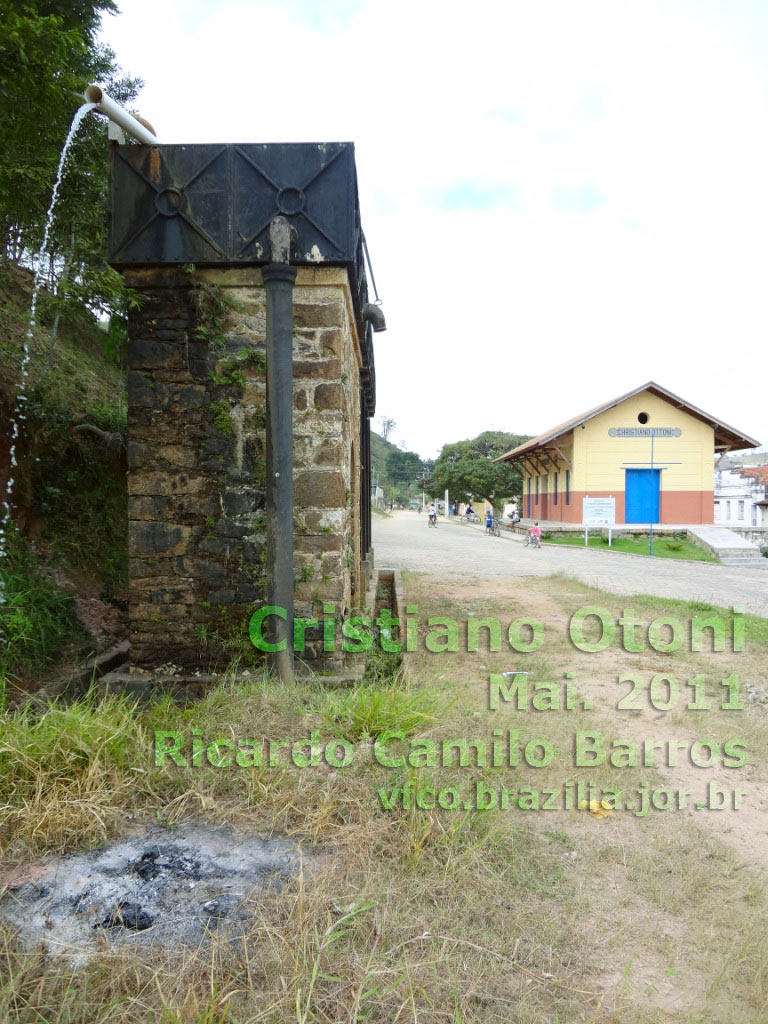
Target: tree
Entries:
(387, 426)
(466, 468)
(48, 55)
(403, 468)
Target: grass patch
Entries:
(37, 617)
(65, 740)
(366, 711)
(663, 547)
(72, 380)
(571, 594)
(381, 666)
(408, 914)
(67, 772)
(755, 626)
(376, 937)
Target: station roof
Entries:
(544, 446)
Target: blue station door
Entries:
(641, 495)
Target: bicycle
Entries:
(432, 521)
(496, 530)
(472, 518)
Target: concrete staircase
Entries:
(729, 547)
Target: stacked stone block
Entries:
(196, 482)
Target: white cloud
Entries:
(632, 137)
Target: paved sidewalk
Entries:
(720, 537)
(730, 547)
(403, 541)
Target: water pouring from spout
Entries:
(96, 99)
(19, 415)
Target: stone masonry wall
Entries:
(196, 456)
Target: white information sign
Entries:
(598, 512)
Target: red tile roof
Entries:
(755, 472)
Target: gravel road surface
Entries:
(404, 541)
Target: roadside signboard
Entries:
(598, 512)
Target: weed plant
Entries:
(37, 617)
(367, 711)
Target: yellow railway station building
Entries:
(650, 450)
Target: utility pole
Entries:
(424, 478)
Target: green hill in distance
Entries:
(399, 473)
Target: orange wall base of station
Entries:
(687, 507)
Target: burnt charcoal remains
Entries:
(166, 888)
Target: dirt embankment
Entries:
(65, 564)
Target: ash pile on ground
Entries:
(166, 888)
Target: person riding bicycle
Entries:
(535, 534)
(432, 515)
(469, 511)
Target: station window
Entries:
(642, 417)
(537, 490)
(741, 510)
(554, 488)
(567, 487)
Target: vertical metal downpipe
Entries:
(368, 478)
(363, 478)
(279, 278)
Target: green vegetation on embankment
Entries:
(69, 495)
(69, 499)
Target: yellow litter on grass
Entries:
(597, 808)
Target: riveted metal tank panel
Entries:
(212, 204)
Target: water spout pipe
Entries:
(107, 106)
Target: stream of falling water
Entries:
(19, 414)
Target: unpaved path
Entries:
(655, 893)
(403, 541)
(462, 562)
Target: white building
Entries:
(741, 494)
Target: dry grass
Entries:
(409, 915)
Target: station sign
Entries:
(645, 432)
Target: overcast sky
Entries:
(561, 200)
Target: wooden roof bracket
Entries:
(566, 460)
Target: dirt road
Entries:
(649, 887)
(404, 541)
